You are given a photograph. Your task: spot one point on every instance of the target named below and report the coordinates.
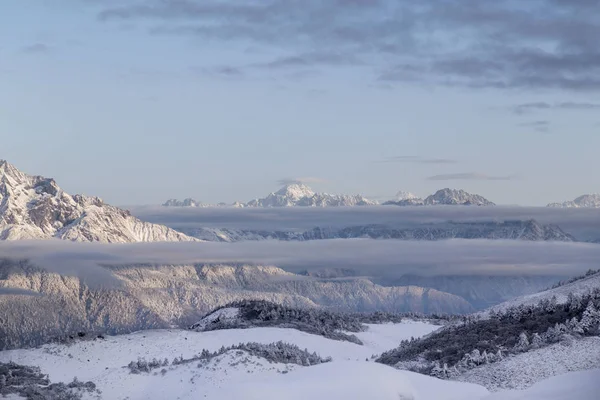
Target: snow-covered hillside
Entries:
(146, 297)
(239, 376)
(236, 374)
(580, 385)
(34, 207)
(540, 364)
(561, 293)
(585, 201)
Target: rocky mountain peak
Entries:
(295, 191)
(34, 207)
(449, 196)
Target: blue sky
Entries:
(220, 100)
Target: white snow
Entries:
(349, 375)
(523, 370)
(581, 385)
(346, 380)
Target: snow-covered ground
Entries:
(238, 375)
(581, 385)
(523, 370)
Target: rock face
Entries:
(34, 207)
(456, 197)
(585, 201)
(162, 296)
(298, 194)
(521, 230)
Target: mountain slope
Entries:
(585, 201)
(146, 297)
(34, 207)
(561, 294)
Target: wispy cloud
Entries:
(35, 48)
(539, 126)
(305, 180)
(536, 106)
(470, 176)
(418, 160)
(223, 71)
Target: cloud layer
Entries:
(379, 258)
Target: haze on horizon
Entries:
(225, 100)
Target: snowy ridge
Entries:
(34, 207)
(585, 201)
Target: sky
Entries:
(221, 100)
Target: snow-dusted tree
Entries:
(523, 343)
(536, 341)
(590, 320)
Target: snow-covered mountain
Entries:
(34, 207)
(298, 194)
(585, 201)
(521, 230)
(456, 197)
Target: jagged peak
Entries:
(296, 190)
(456, 196)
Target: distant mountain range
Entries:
(585, 201)
(300, 195)
(34, 207)
(530, 230)
(292, 195)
